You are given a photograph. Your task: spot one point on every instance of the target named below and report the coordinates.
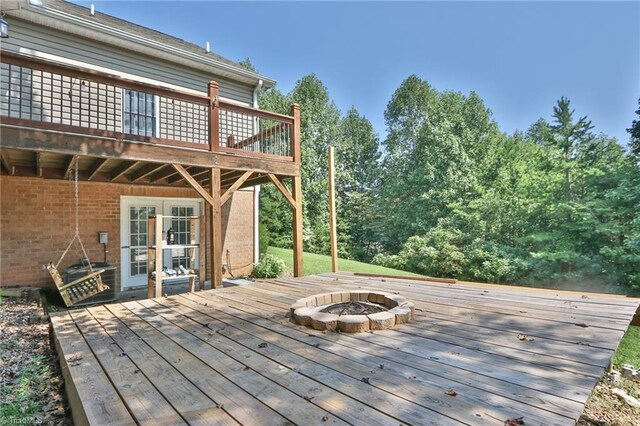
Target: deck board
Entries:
(232, 356)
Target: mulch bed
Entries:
(31, 384)
(605, 409)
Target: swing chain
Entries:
(77, 234)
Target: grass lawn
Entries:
(629, 349)
(318, 264)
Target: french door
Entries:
(134, 237)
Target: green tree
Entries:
(434, 147)
(634, 131)
(567, 137)
(357, 178)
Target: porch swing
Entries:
(83, 287)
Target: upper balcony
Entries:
(59, 110)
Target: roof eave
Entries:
(146, 46)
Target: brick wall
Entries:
(37, 221)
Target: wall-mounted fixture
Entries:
(4, 27)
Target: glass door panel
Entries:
(182, 234)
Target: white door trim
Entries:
(163, 206)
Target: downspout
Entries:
(256, 194)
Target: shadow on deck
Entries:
(233, 356)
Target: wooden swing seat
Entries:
(80, 289)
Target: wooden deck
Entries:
(232, 356)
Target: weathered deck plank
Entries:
(410, 354)
(92, 398)
(232, 356)
(142, 399)
(408, 382)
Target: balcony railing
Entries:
(59, 97)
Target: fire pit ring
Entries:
(352, 311)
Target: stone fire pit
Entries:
(352, 311)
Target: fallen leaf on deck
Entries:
(450, 392)
(525, 337)
(514, 421)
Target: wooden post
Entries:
(215, 213)
(298, 269)
(295, 141)
(157, 292)
(214, 111)
(332, 213)
(192, 252)
(296, 188)
(151, 255)
(202, 253)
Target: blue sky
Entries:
(520, 57)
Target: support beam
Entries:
(69, 166)
(123, 169)
(6, 163)
(229, 192)
(203, 193)
(58, 142)
(298, 269)
(163, 174)
(215, 230)
(193, 171)
(332, 212)
(283, 189)
(146, 171)
(39, 164)
(96, 167)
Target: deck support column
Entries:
(296, 188)
(297, 228)
(215, 230)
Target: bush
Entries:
(263, 238)
(268, 267)
(392, 261)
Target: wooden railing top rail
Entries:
(257, 112)
(102, 77)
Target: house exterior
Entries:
(155, 125)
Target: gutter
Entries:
(149, 47)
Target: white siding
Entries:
(31, 36)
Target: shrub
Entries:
(263, 238)
(268, 267)
(392, 261)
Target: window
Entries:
(139, 113)
(182, 234)
(138, 236)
